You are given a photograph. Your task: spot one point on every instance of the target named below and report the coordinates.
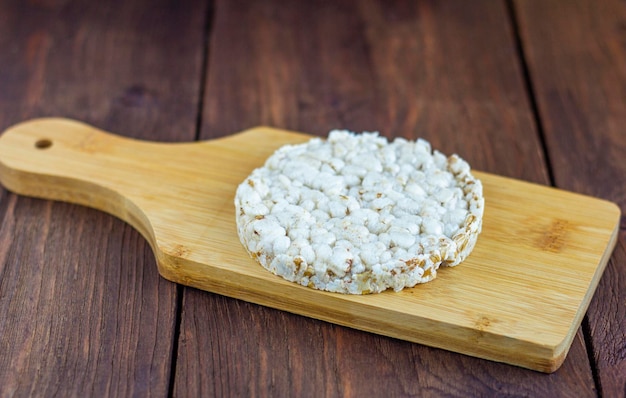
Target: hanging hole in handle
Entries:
(43, 143)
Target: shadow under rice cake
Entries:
(357, 214)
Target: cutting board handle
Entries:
(169, 192)
(62, 159)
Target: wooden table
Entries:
(530, 89)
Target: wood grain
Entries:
(338, 79)
(310, 95)
(444, 70)
(577, 61)
(519, 299)
(83, 310)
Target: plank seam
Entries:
(586, 326)
(532, 97)
(208, 24)
(529, 88)
(180, 290)
(178, 307)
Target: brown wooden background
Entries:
(531, 89)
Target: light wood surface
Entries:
(519, 298)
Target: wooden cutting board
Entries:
(519, 298)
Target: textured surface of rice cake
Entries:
(358, 214)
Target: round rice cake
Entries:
(357, 214)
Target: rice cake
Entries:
(357, 214)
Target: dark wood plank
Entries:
(576, 53)
(83, 310)
(447, 71)
(233, 348)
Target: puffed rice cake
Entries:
(357, 214)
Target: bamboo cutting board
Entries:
(519, 298)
